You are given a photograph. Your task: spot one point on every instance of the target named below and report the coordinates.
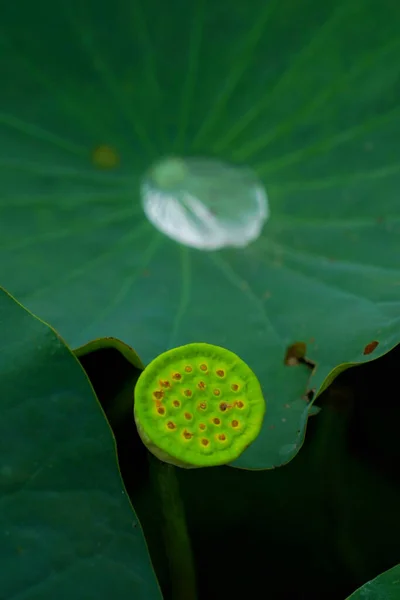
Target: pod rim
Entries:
(165, 446)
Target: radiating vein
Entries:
(85, 36)
(69, 105)
(71, 199)
(190, 81)
(248, 150)
(146, 255)
(238, 70)
(242, 285)
(323, 146)
(273, 94)
(83, 226)
(38, 133)
(329, 286)
(338, 180)
(85, 268)
(64, 173)
(284, 222)
(184, 294)
(149, 51)
(312, 256)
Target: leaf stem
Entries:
(176, 537)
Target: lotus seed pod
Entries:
(198, 406)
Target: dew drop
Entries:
(204, 203)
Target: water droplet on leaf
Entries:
(204, 203)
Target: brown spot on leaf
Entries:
(309, 395)
(369, 348)
(296, 355)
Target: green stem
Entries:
(176, 537)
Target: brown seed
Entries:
(161, 411)
(158, 394)
(222, 437)
(201, 385)
(202, 405)
(217, 392)
(239, 404)
(203, 367)
(202, 426)
(171, 425)
(223, 406)
(188, 416)
(216, 421)
(164, 383)
(220, 373)
(176, 376)
(188, 369)
(205, 442)
(235, 423)
(234, 387)
(176, 403)
(187, 435)
(187, 393)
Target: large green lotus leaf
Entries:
(305, 93)
(384, 587)
(67, 529)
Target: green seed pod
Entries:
(198, 406)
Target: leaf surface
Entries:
(67, 529)
(306, 96)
